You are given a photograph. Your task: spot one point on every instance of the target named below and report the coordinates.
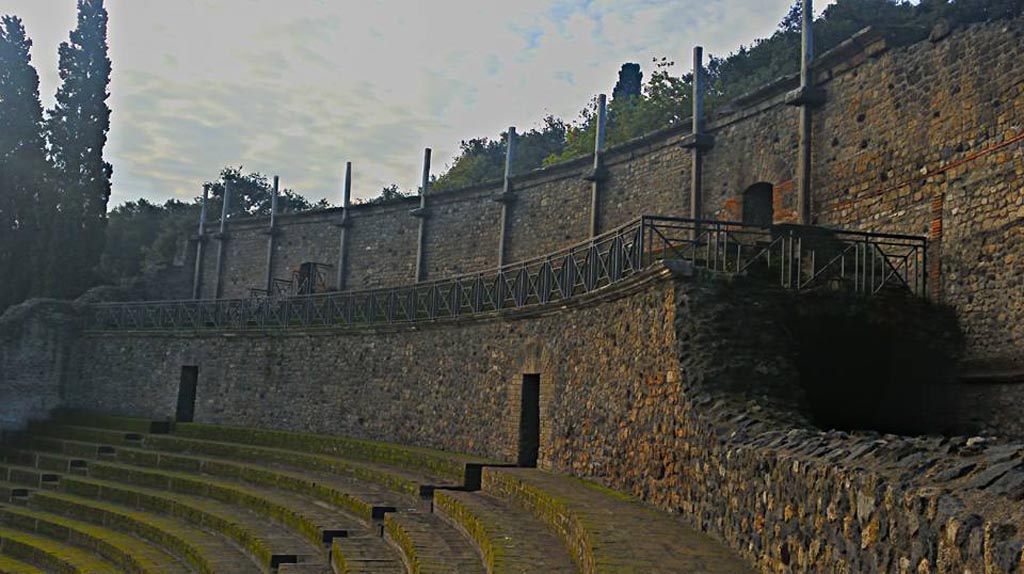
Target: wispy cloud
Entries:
(298, 88)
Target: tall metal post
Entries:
(804, 160)
(197, 276)
(697, 167)
(698, 143)
(421, 213)
(271, 234)
(221, 236)
(506, 195)
(598, 174)
(346, 199)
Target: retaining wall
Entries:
(687, 391)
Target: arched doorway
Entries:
(757, 205)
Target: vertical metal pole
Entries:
(271, 233)
(346, 200)
(804, 159)
(221, 237)
(506, 194)
(197, 276)
(420, 253)
(595, 186)
(697, 166)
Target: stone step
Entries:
(430, 547)
(28, 476)
(43, 460)
(269, 541)
(365, 555)
(361, 499)
(65, 447)
(50, 555)
(86, 434)
(423, 461)
(206, 551)
(608, 532)
(370, 473)
(512, 541)
(113, 422)
(130, 553)
(328, 488)
(318, 522)
(9, 565)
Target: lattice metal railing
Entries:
(799, 257)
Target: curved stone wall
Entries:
(684, 390)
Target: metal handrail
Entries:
(861, 261)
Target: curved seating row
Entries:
(138, 496)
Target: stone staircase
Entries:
(88, 493)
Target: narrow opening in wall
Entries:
(187, 394)
(758, 208)
(529, 421)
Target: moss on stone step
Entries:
(433, 462)
(232, 494)
(128, 553)
(364, 555)
(171, 505)
(50, 555)
(9, 565)
(181, 542)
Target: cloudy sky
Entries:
(298, 87)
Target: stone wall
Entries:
(686, 391)
(37, 346)
(910, 141)
(907, 141)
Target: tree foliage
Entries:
(664, 99)
(76, 130)
(389, 194)
(23, 167)
(252, 194)
(483, 159)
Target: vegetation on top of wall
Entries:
(664, 99)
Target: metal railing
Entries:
(798, 257)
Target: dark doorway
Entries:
(307, 278)
(187, 394)
(529, 422)
(757, 205)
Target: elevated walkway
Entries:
(795, 257)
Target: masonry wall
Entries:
(37, 346)
(685, 392)
(904, 143)
(910, 141)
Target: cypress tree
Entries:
(77, 129)
(23, 164)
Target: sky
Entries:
(296, 88)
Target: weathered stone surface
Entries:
(686, 394)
